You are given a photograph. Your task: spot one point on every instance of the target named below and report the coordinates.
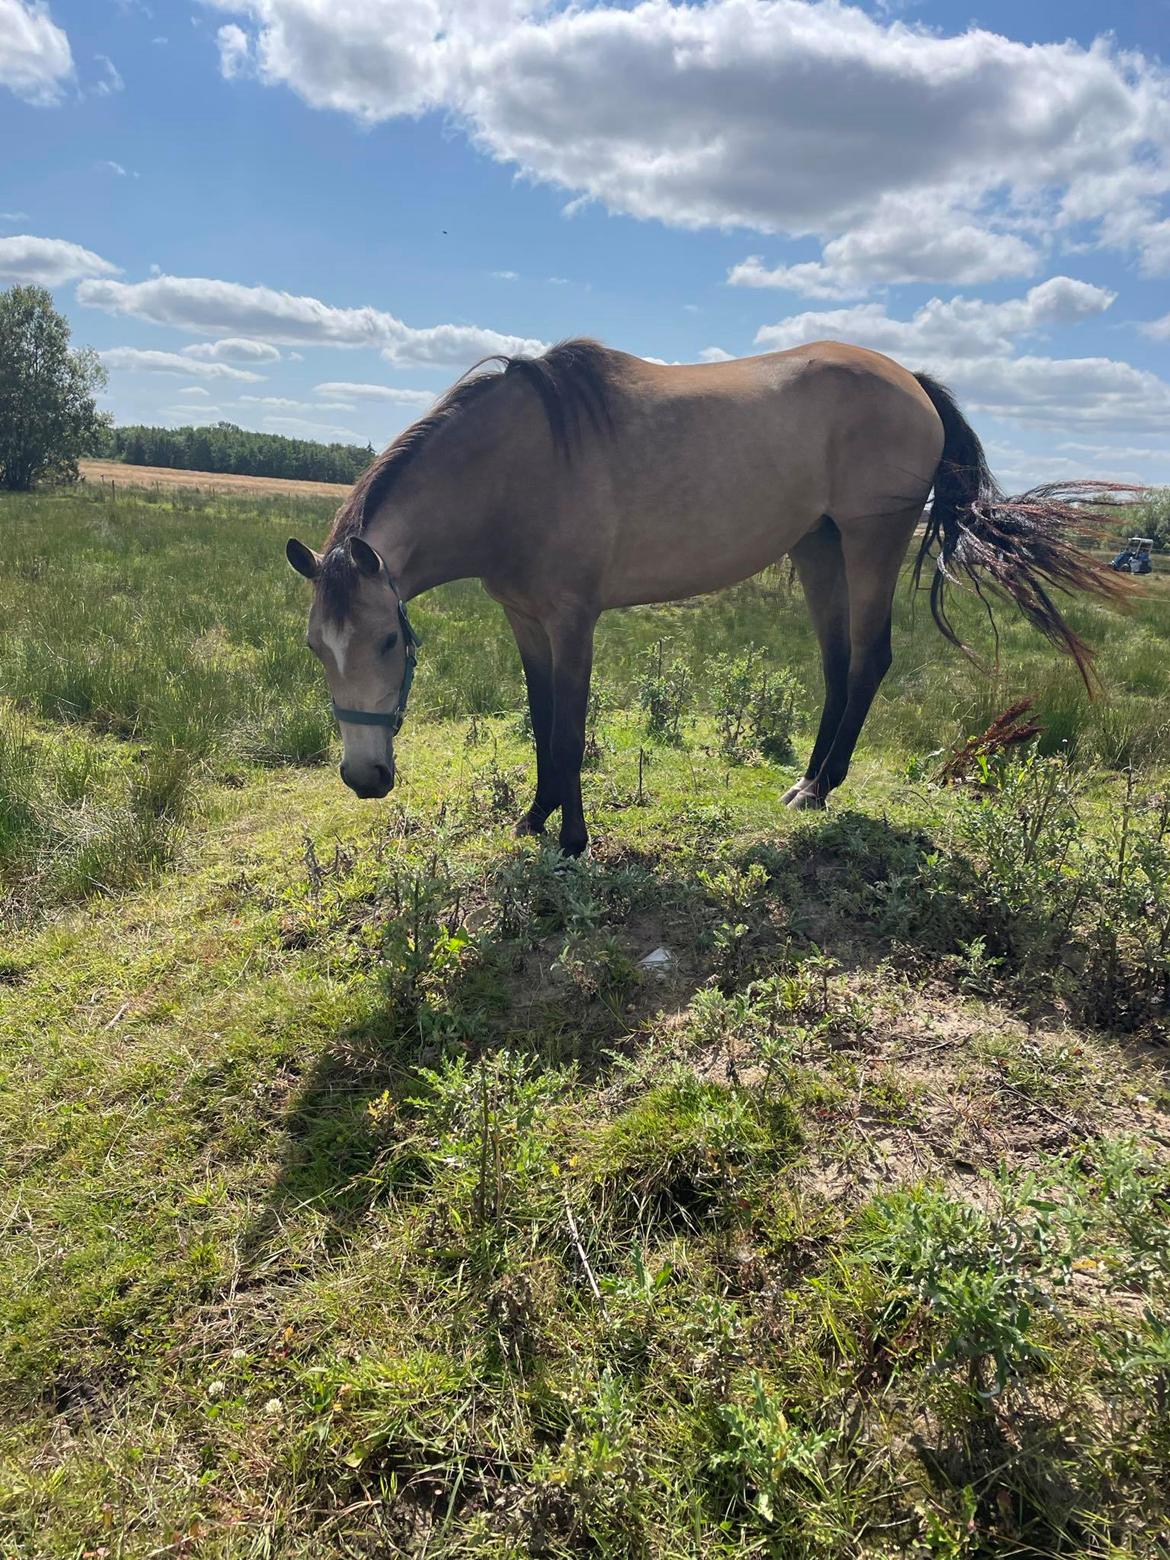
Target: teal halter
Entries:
(391, 719)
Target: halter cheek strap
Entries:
(391, 719)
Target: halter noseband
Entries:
(391, 719)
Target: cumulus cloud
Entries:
(304, 427)
(971, 343)
(922, 156)
(945, 326)
(233, 349)
(139, 360)
(1158, 329)
(1058, 393)
(35, 59)
(234, 50)
(192, 414)
(903, 241)
(358, 392)
(48, 261)
(201, 304)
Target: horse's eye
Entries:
(388, 643)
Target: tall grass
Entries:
(76, 819)
(169, 622)
(172, 619)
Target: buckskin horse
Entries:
(587, 479)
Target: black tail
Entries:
(1019, 548)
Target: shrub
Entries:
(664, 690)
(755, 707)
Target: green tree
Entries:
(47, 412)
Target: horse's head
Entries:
(359, 631)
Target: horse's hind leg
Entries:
(873, 549)
(820, 567)
(570, 634)
(536, 654)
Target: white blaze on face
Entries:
(366, 748)
(336, 637)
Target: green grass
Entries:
(361, 1195)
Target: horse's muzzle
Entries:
(371, 783)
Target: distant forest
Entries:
(224, 447)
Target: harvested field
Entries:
(122, 475)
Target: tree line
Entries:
(49, 416)
(221, 447)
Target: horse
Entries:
(587, 479)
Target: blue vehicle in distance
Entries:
(1134, 558)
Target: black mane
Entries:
(572, 380)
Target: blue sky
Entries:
(309, 215)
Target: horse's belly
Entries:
(700, 553)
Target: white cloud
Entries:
(35, 58)
(802, 117)
(193, 390)
(137, 360)
(1023, 468)
(234, 51)
(715, 355)
(115, 168)
(13, 216)
(303, 427)
(48, 261)
(192, 414)
(1116, 451)
(233, 349)
(970, 343)
(111, 79)
(506, 276)
(945, 327)
(1058, 393)
(901, 241)
(1158, 329)
(346, 389)
(201, 304)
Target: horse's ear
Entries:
(363, 556)
(303, 559)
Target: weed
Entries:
(664, 693)
(755, 707)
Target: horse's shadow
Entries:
(556, 980)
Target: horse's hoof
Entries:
(807, 800)
(528, 825)
(574, 849)
(792, 793)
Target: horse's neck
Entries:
(442, 521)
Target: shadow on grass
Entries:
(542, 958)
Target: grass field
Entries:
(361, 1194)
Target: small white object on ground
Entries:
(658, 962)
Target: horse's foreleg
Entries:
(820, 567)
(536, 655)
(571, 637)
(873, 550)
